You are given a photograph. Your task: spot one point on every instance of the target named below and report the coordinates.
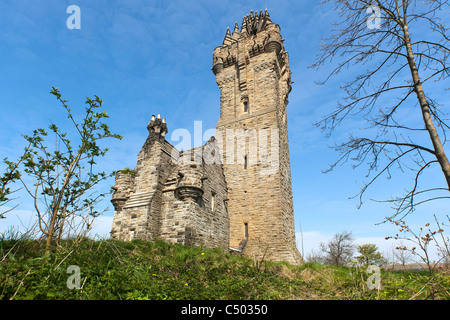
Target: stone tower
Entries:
(252, 72)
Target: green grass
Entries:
(138, 269)
(332, 282)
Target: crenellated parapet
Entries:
(258, 34)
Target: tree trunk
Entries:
(51, 230)
(437, 145)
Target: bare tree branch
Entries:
(396, 66)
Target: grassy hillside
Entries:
(158, 270)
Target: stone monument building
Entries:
(235, 191)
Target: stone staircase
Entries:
(139, 199)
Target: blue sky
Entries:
(148, 57)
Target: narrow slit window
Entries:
(246, 229)
(245, 106)
(213, 201)
(245, 162)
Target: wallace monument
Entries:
(235, 191)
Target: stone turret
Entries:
(123, 188)
(190, 186)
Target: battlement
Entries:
(258, 35)
(251, 25)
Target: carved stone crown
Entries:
(157, 127)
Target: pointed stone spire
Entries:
(236, 28)
(228, 34)
(235, 35)
(227, 40)
(244, 24)
(263, 21)
(254, 22)
(256, 16)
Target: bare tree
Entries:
(314, 256)
(422, 241)
(339, 249)
(402, 61)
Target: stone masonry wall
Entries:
(164, 199)
(189, 218)
(140, 215)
